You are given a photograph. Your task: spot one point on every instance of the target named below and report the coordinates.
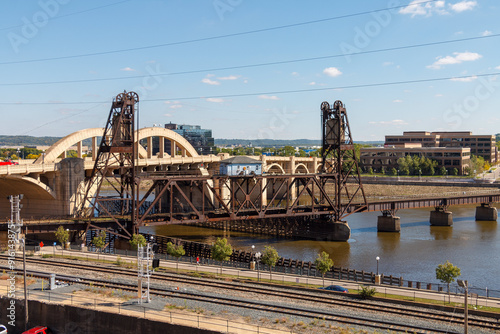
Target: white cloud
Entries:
(467, 79)
(215, 100)
(394, 122)
(127, 69)
(167, 115)
(397, 101)
(486, 33)
(312, 83)
(462, 6)
(295, 74)
(210, 82)
(426, 8)
(457, 58)
(332, 71)
(230, 77)
(387, 63)
(438, 95)
(268, 97)
(176, 106)
(498, 67)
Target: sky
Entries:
(251, 69)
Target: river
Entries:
(414, 253)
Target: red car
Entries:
(8, 163)
(37, 330)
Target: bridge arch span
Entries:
(301, 168)
(275, 168)
(176, 140)
(63, 144)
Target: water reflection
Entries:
(388, 241)
(441, 232)
(487, 230)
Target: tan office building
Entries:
(387, 157)
(480, 145)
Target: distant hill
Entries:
(27, 141)
(32, 141)
(280, 142)
(46, 141)
(268, 142)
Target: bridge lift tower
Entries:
(338, 158)
(115, 162)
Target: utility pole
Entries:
(144, 256)
(16, 222)
(465, 285)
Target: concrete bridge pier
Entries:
(441, 217)
(388, 222)
(330, 231)
(486, 212)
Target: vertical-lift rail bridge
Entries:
(293, 202)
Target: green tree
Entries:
(221, 251)
(443, 171)
(62, 235)
(447, 273)
(137, 241)
(99, 241)
(394, 171)
(370, 171)
(175, 251)
(270, 257)
(477, 164)
(404, 169)
(454, 171)
(324, 264)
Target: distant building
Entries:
(200, 139)
(480, 145)
(449, 149)
(240, 165)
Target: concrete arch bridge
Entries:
(52, 184)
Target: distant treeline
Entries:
(280, 142)
(32, 141)
(47, 141)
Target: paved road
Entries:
(384, 289)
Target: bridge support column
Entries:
(330, 231)
(441, 217)
(486, 212)
(388, 223)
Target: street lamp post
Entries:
(377, 258)
(257, 256)
(419, 174)
(398, 174)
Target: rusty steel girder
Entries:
(194, 199)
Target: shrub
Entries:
(367, 292)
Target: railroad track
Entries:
(326, 299)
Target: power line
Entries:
(196, 40)
(70, 14)
(405, 47)
(379, 84)
(60, 119)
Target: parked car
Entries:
(337, 288)
(3, 329)
(37, 330)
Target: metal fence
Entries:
(136, 310)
